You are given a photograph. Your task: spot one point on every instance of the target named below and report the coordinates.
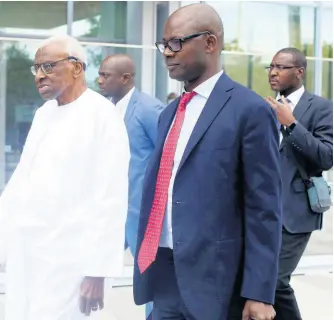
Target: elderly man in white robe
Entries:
(63, 212)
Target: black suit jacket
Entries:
(311, 141)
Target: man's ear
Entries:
(78, 69)
(211, 43)
(300, 73)
(126, 78)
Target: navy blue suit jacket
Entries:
(226, 204)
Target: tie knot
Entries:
(186, 97)
(281, 101)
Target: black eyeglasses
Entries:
(48, 66)
(175, 45)
(279, 67)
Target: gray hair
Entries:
(72, 46)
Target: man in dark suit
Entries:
(140, 113)
(210, 223)
(307, 121)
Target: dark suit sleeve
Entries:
(149, 121)
(316, 148)
(262, 204)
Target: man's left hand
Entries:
(283, 111)
(256, 310)
(91, 295)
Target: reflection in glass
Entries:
(327, 32)
(161, 78)
(265, 35)
(110, 21)
(327, 79)
(96, 54)
(248, 70)
(37, 18)
(21, 99)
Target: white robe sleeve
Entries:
(109, 203)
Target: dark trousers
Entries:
(292, 249)
(167, 301)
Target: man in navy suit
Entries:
(307, 120)
(140, 113)
(210, 223)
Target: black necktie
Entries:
(281, 101)
(281, 127)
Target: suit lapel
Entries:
(302, 106)
(218, 98)
(300, 109)
(131, 107)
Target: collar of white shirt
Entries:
(205, 88)
(294, 97)
(122, 104)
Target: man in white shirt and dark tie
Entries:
(306, 122)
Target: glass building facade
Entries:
(254, 31)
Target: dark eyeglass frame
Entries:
(280, 67)
(166, 44)
(48, 66)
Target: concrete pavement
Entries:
(314, 293)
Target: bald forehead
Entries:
(177, 26)
(119, 63)
(194, 18)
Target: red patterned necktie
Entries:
(149, 246)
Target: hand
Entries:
(258, 311)
(283, 111)
(91, 295)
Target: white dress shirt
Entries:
(122, 105)
(294, 98)
(193, 111)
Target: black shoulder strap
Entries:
(301, 170)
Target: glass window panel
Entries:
(327, 50)
(37, 18)
(259, 76)
(235, 66)
(327, 79)
(110, 21)
(294, 25)
(309, 79)
(95, 55)
(327, 32)
(19, 96)
(186, 3)
(161, 81)
(249, 71)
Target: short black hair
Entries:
(298, 57)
